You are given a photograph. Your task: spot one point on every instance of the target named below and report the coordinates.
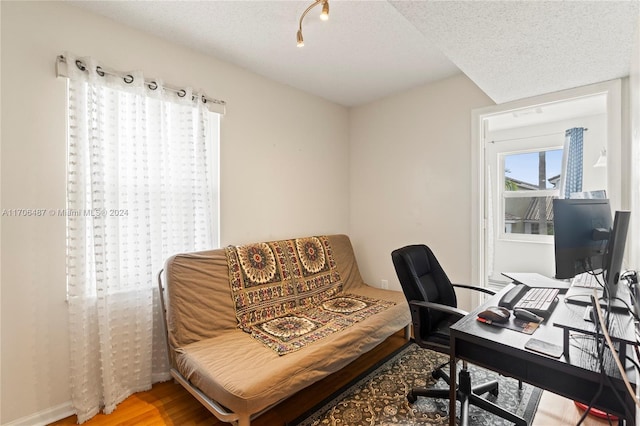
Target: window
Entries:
(529, 182)
(141, 184)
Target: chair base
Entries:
(467, 394)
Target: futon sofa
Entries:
(251, 325)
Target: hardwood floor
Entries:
(556, 410)
(169, 404)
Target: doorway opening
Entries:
(518, 160)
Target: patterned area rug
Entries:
(379, 396)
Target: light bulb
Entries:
(300, 39)
(325, 11)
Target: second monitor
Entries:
(587, 242)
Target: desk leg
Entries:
(622, 352)
(453, 385)
(565, 346)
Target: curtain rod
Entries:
(531, 137)
(61, 68)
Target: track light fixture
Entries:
(324, 16)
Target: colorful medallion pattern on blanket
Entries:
(292, 332)
(273, 279)
(288, 293)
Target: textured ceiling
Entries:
(365, 51)
(517, 49)
(371, 49)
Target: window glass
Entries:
(528, 215)
(522, 171)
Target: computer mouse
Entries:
(525, 315)
(495, 314)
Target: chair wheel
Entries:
(411, 398)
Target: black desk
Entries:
(576, 377)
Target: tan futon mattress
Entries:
(236, 370)
(245, 376)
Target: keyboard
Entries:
(585, 280)
(540, 301)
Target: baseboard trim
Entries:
(44, 417)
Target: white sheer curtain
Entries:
(139, 189)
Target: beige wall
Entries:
(411, 177)
(283, 175)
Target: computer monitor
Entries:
(615, 252)
(581, 232)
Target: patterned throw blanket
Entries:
(288, 293)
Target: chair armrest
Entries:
(470, 287)
(438, 307)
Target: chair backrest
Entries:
(422, 278)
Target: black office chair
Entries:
(433, 304)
